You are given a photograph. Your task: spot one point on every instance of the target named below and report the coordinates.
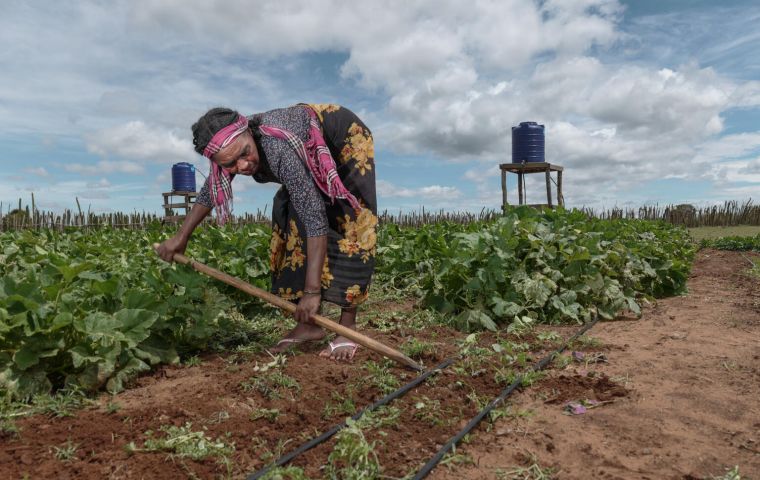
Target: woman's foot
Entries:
(303, 332)
(342, 349)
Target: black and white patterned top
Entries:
(280, 164)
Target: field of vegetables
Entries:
(94, 310)
(135, 368)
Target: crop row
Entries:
(95, 309)
(736, 243)
(537, 267)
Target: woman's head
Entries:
(238, 153)
(223, 136)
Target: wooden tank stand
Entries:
(521, 169)
(187, 201)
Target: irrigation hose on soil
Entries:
(329, 433)
(324, 322)
(431, 464)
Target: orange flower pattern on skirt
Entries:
(289, 294)
(360, 236)
(327, 277)
(294, 247)
(359, 147)
(276, 250)
(355, 296)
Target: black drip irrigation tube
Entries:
(329, 433)
(431, 464)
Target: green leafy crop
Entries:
(529, 266)
(95, 309)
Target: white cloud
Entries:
(104, 167)
(37, 171)
(136, 140)
(752, 167)
(430, 192)
(102, 183)
(445, 79)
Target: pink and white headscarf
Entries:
(220, 180)
(315, 154)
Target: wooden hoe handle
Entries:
(324, 322)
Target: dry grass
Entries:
(709, 233)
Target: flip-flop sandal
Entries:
(335, 346)
(291, 342)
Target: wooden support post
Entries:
(166, 202)
(520, 187)
(560, 197)
(549, 187)
(503, 189)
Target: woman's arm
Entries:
(316, 250)
(178, 243)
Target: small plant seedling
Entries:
(428, 411)
(278, 361)
(339, 406)
(269, 414)
(8, 428)
(193, 361)
(506, 411)
(550, 337)
(286, 473)
(385, 322)
(62, 404)
(66, 452)
(353, 456)
(586, 341)
(454, 458)
(561, 361)
(271, 385)
(379, 377)
(112, 407)
(265, 454)
(533, 471)
(732, 474)
(184, 442)
(219, 417)
(415, 348)
(385, 416)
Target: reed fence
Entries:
(730, 213)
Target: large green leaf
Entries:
(24, 384)
(102, 327)
(134, 324)
(130, 370)
(36, 348)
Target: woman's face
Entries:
(241, 157)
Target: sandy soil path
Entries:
(691, 365)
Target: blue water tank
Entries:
(528, 143)
(183, 177)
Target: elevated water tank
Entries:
(528, 143)
(183, 177)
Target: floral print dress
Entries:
(351, 237)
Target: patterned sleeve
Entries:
(204, 196)
(307, 200)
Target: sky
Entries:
(644, 102)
